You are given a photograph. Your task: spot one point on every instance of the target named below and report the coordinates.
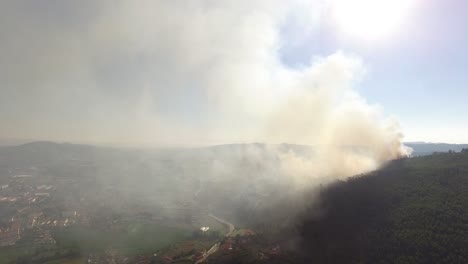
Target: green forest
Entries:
(414, 210)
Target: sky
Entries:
(213, 72)
(418, 73)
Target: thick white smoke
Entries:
(350, 136)
(190, 72)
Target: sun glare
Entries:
(370, 19)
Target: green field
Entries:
(138, 238)
(129, 240)
(9, 254)
(241, 232)
(34, 254)
(206, 220)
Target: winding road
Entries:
(230, 226)
(215, 247)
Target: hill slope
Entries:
(413, 211)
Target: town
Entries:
(80, 209)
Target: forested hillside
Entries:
(412, 211)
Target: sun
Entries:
(370, 19)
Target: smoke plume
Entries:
(153, 73)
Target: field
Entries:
(72, 242)
(35, 253)
(8, 254)
(242, 232)
(206, 220)
(137, 238)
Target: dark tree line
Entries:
(412, 211)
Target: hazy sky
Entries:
(208, 72)
(417, 74)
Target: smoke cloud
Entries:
(153, 73)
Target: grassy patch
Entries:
(137, 238)
(131, 239)
(241, 232)
(9, 254)
(34, 253)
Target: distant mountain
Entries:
(423, 148)
(44, 152)
(40, 152)
(419, 148)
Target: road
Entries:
(215, 247)
(212, 250)
(224, 222)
